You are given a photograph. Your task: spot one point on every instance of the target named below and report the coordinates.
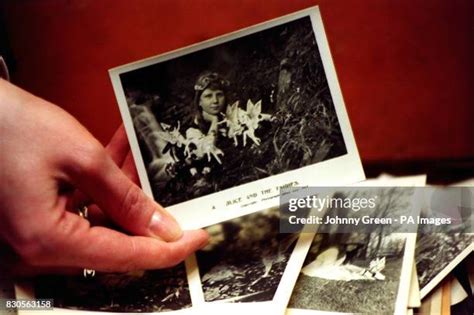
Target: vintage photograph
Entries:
(439, 249)
(142, 291)
(352, 273)
(246, 259)
(437, 254)
(257, 104)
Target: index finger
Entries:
(118, 146)
(74, 243)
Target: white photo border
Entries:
(405, 292)
(446, 270)
(198, 212)
(281, 297)
(293, 268)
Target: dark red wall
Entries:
(406, 67)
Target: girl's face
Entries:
(212, 101)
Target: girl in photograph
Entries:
(210, 101)
(203, 130)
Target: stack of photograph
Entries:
(218, 131)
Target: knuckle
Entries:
(89, 158)
(134, 206)
(173, 258)
(130, 263)
(176, 260)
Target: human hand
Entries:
(50, 164)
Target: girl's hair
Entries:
(207, 80)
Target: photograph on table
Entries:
(351, 273)
(437, 254)
(439, 249)
(217, 128)
(151, 291)
(359, 272)
(248, 263)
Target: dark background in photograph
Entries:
(280, 66)
(246, 258)
(354, 296)
(148, 291)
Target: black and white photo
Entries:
(351, 273)
(355, 271)
(248, 265)
(224, 124)
(245, 259)
(151, 291)
(440, 249)
(437, 254)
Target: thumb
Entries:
(94, 172)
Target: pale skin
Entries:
(212, 102)
(49, 166)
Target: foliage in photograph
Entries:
(276, 113)
(434, 251)
(143, 291)
(245, 259)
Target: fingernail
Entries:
(165, 227)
